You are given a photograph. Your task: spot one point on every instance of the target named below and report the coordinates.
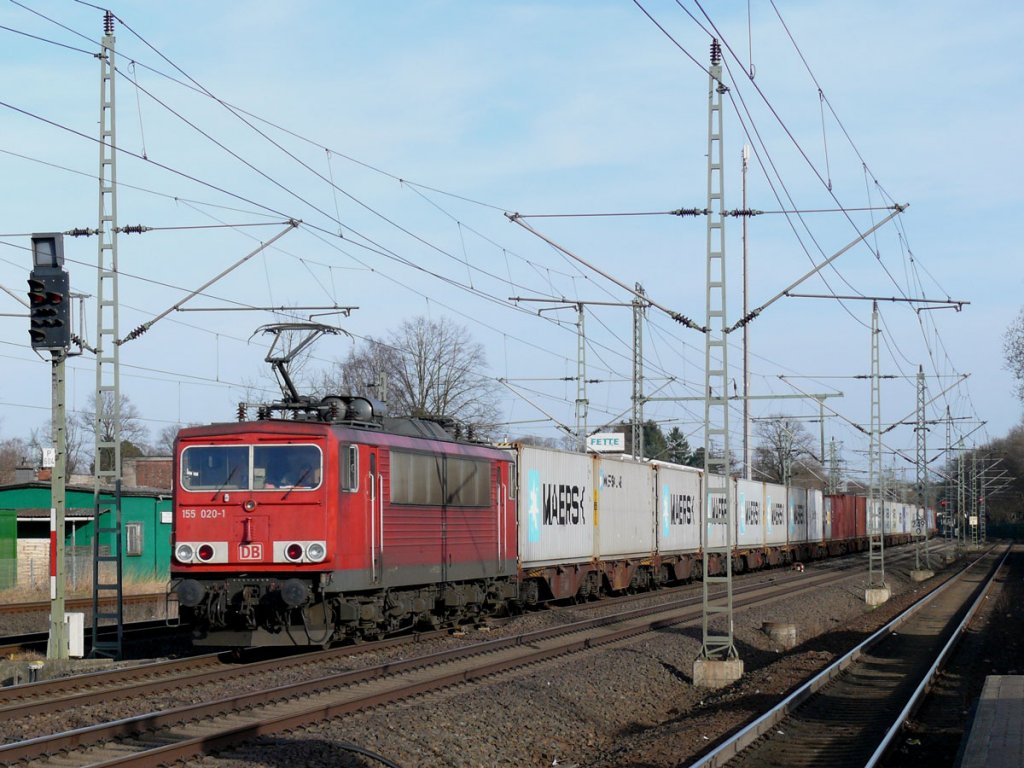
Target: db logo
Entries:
(250, 551)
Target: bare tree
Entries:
(1013, 351)
(134, 433)
(164, 443)
(76, 456)
(13, 453)
(784, 447)
(432, 368)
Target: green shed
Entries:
(146, 528)
(8, 548)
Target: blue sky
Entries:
(541, 107)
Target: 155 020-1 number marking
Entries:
(203, 514)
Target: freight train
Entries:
(344, 524)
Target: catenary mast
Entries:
(107, 565)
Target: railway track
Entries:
(147, 630)
(848, 714)
(135, 632)
(184, 732)
(80, 604)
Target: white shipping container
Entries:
(815, 522)
(625, 516)
(891, 517)
(775, 531)
(797, 518)
(874, 514)
(679, 507)
(717, 533)
(556, 507)
(750, 512)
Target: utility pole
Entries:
(107, 566)
(50, 330)
(877, 591)
(718, 663)
(581, 361)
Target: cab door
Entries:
(375, 514)
(505, 502)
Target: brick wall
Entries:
(148, 472)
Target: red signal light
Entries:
(205, 552)
(293, 552)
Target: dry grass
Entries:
(41, 592)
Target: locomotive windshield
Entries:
(215, 467)
(285, 466)
(250, 467)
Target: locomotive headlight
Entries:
(293, 552)
(205, 552)
(184, 553)
(316, 552)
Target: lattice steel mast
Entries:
(948, 530)
(876, 515)
(639, 305)
(921, 516)
(582, 403)
(718, 643)
(107, 567)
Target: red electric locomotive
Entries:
(337, 523)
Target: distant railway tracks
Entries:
(848, 714)
(36, 614)
(267, 697)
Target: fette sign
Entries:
(607, 442)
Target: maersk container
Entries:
(679, 492)
(717, 526)
(750, 512)
(797, 517)
(815, 523)
(625, 515)
(875, 511)
(556, 507)
(775, 531)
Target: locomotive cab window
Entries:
(215, 468)
(286, 466)
(349, 460)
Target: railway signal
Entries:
(49, 312)
(48, 294)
